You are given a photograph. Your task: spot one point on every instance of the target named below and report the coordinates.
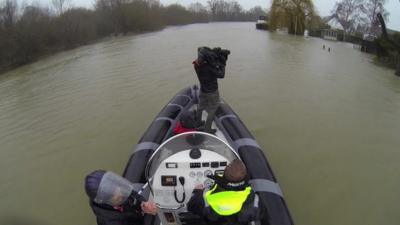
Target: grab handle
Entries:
(169, 208)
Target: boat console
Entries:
(179, 165)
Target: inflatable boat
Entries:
(161, 160)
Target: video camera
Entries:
(215, 59)
(210, 56)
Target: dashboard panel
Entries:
(180, 169)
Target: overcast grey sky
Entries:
(324, 7)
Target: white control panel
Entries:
(179, 168)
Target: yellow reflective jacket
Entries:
(226, 203)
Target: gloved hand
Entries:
(149, 208)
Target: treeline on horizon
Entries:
(31, 31)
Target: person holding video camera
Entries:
(209, 66)
(114, 201)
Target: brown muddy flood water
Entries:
(329, 122)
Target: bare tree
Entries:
(348, 13)
(213, 4)
(153, 3)
(101, 5)
(257, 11)
(8, 13)
(371, 9)
(30, 31)
(235, 10)
(1, 16)
(223, 10)
(60, 5)
(197, 7)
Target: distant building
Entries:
(329, 34)
(369, 37)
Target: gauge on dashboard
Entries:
(208, 173)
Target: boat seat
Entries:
(160, 128)
(182, 100)
(171, 111)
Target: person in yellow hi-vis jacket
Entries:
(230, 201)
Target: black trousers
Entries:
(210, 103)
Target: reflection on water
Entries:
(328, 121)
